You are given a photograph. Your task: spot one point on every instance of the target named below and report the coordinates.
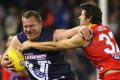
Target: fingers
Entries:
(11, 69)
(81, 35)
(5, 57)
(86, 33)
(7, 63)
(91, 33)
(4, 60)
(10, 65)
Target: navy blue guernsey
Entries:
(45, 65)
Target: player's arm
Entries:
(61, 34)
(74, 42)
(15, 43)
(83, 31)
(5, 61)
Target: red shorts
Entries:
(112, 76)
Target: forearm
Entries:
(73, 31)
(53, 46)
(45, 46)
(74, 42)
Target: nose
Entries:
(28, 29)
(79, 17)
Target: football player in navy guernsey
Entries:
(41, 65)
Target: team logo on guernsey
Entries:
(39, 73)
(101, 28)
(35, 56)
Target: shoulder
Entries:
(21, 37)
(21, 34)
(15, 43)
(15, 38)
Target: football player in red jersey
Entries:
(102, 49)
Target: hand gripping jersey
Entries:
(44, 65)
(103, 50)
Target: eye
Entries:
(25, 26)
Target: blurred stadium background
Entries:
(58, 14)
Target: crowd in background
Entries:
(56, 14)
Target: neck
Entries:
(88, 24)
(91, 25)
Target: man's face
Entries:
(32, 28)
(82, 17)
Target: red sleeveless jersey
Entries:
(103, 50)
